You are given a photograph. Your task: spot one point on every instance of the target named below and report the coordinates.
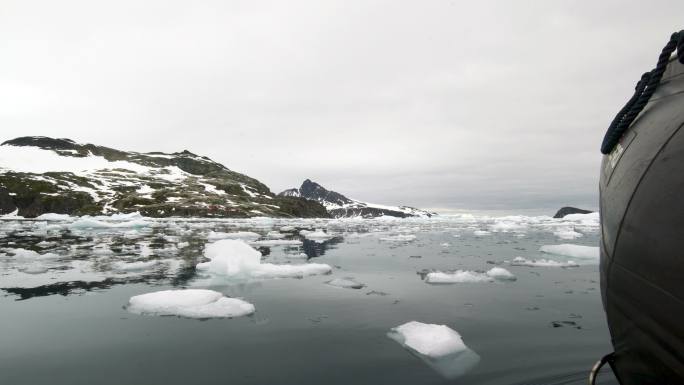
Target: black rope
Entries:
(642, 93)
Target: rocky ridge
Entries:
(41, 174)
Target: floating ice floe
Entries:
(399, 238)
(97, 223)
(190, 303)
(34, 268)
(346, 283)
(275, 235)
(507, 225)
(467, 276)
(276, 242)
(439, 346)
(574, 251)
(246, 235)
(135, 266)
(567, 234)
(481, 233)
(501, 274)
(318, 236)
(520, 261)
(235, 258)
(20, 253)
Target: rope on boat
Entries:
(642, 93)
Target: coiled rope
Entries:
(642, 93)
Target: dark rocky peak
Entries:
(570, 210)
(314, 191)
(43, 142)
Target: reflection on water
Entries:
(315, 249)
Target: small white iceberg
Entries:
(246, 235)
(439, 346)
(573, 251)
(135, 265)
(520, 261)
(317, 236)
(54, 217)
(567, 234)
(190, 303)
(399, 238)
(346, 283)
(235, 258)
(467, 276)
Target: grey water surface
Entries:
(68, 325)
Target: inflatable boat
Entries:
(642, 225)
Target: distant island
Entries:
(41, 175)
(567, 210)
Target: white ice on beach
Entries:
(54, 217)
(439, 346)
(520, 261)
(189, 303)
(573, 251)
(467, 276)
(235, 258)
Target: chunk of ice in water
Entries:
(134, 266)
(346, 283)
(319, 235)
(399, 238)
(235, 258)
(501, 274)
(190, 303)
(439, 346)
(567, 234)
(520, 261)
(467, 276)
(54, 217)
(246, 235)
(574, 251)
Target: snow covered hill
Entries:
(339, 206)
(40, 175)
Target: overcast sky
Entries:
(439, 104)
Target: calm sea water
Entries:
(63, 319)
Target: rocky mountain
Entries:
(41, 174)
(570, 210)
(339, 206)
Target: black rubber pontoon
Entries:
(642, 225)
